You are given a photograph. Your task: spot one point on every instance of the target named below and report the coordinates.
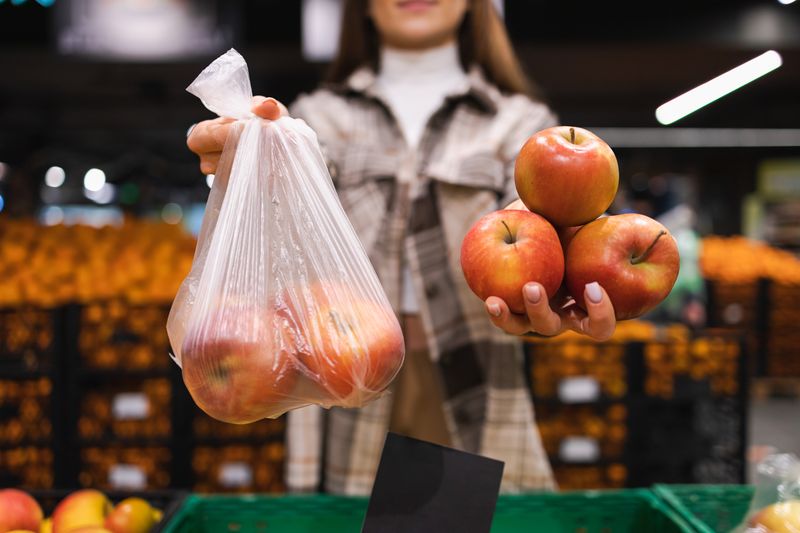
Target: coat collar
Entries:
(478, 89)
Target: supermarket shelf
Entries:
(124, 441)
(233, 441)
(24, 373)
(28, 443)
(89, 374)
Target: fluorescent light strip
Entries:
(715, 89)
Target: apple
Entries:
(47, 526)
(633, 257)
(81, 509)
(350, 345)
(90, 529)
(568, 175)
(131, 515)
(18, 510)
(233, 366)
(506, 249)
(783, 517)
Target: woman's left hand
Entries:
(552, 317)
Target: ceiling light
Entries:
(715, 89)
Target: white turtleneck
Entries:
(415, 83)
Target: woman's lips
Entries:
(415, 5)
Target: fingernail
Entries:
(532, 293)
(593, 292)
(494, 309)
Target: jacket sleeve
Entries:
(325, 113)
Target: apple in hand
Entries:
(18, 510)
(568, 175)
(506, 249)
(351, 346)
(782, 517)
(633, 257)
(81, 509)
(232, 366)
(131, 515)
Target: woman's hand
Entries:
(552, 317)
(207, 138)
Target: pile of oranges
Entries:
(139, 261)
(742, 260)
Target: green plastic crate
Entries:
(585, 512)
(708, 508)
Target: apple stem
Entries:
(639, 259)
(572, 135)
(510, 235)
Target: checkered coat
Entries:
(415, 206)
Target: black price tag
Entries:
(426, 488)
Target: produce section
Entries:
(472, 266)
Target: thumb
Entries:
(267, 108)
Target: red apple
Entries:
(131, 515)
(18, 510)
(235, 367)
(350, 346)
(568, 175)
(506, 249)
(633, 257)
(81, 509)
(782, 517)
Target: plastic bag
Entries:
(775, 507)
(282, 307)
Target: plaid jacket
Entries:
(415, 206)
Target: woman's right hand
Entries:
(207, 138)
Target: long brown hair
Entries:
(482, 37)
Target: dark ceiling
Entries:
(600, 64)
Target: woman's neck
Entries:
(441, 61)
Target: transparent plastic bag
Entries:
(775, 507)
(282, 307)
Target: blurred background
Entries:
(100, 200)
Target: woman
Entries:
(421, 120)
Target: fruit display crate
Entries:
(765, 311)
(237, 458)
(662, 405)
(708, 508)
(590, 512)
(114, 334)
(782, 337)
(29, 338)
(90, 398)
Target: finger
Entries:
(209, 162)
(600, 321)
(267, 108)
(504, 319)
(542, 319)
(209, 136)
